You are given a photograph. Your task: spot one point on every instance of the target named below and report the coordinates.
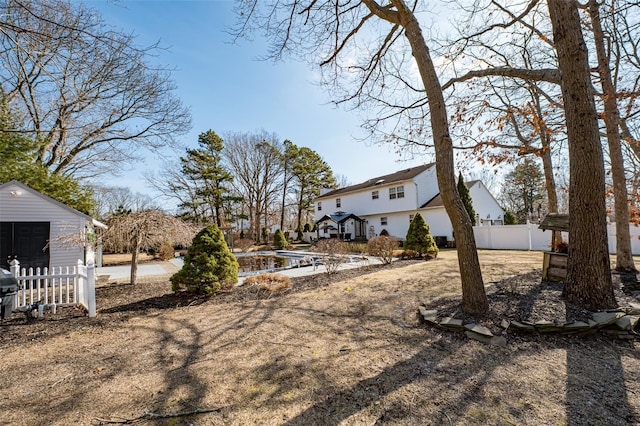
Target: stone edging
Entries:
(620, 322)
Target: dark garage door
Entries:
(24, 241)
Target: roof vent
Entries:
(379, 181)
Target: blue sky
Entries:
(228, 89)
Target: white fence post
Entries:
(14, 268)
(91, 289)
(80, 285)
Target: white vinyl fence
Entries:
(58, 287)
(529, 237)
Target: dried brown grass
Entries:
(346, 349)
(269, 282)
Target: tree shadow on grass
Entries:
(166, 301)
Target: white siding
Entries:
(397, 224)
(417, 192)
(439, 223)
(485, 206)
(361, 204)
(29, 207)
(427, 183)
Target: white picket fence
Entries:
(529, 237)
(57, 287)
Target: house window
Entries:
(383, 221)
(374, 195)
(338, 202)
(411, 218)
(397, 192)
(319, 206)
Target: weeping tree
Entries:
(145, 229)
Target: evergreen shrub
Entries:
(279, 240)
(209, 265)
(419, 238)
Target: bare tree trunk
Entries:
(588, 270)
(474, 298)
(547, 166)
(624, 257)
(135, 254)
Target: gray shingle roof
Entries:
(400, 176)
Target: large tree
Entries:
(17, 162)
(90, 96)
(256, 163)
(588, 269)
(289, 153)
(311, 173)
(524, 189)
(205, 169)
(328, 33)
(611, 118)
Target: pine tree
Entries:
(524, 189)
(419, 238)
(204, 167)
(209, 265)
(466, 199)
(310, 174)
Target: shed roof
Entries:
(400, 176)
(52, 201)
(555, 222)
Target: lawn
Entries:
(345, 350)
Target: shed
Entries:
(555, 222)
(38, 230)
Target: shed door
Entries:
(24, 241)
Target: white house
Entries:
(390, 202)
(37, 230)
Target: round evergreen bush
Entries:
(419, 238)
(209, 265)
(279, 240)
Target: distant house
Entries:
(38, 230)
(390, 202)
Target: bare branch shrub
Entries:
(383, 247)
(332, 253)
(166, 251)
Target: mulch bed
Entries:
(527, 298)
(521, 298)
